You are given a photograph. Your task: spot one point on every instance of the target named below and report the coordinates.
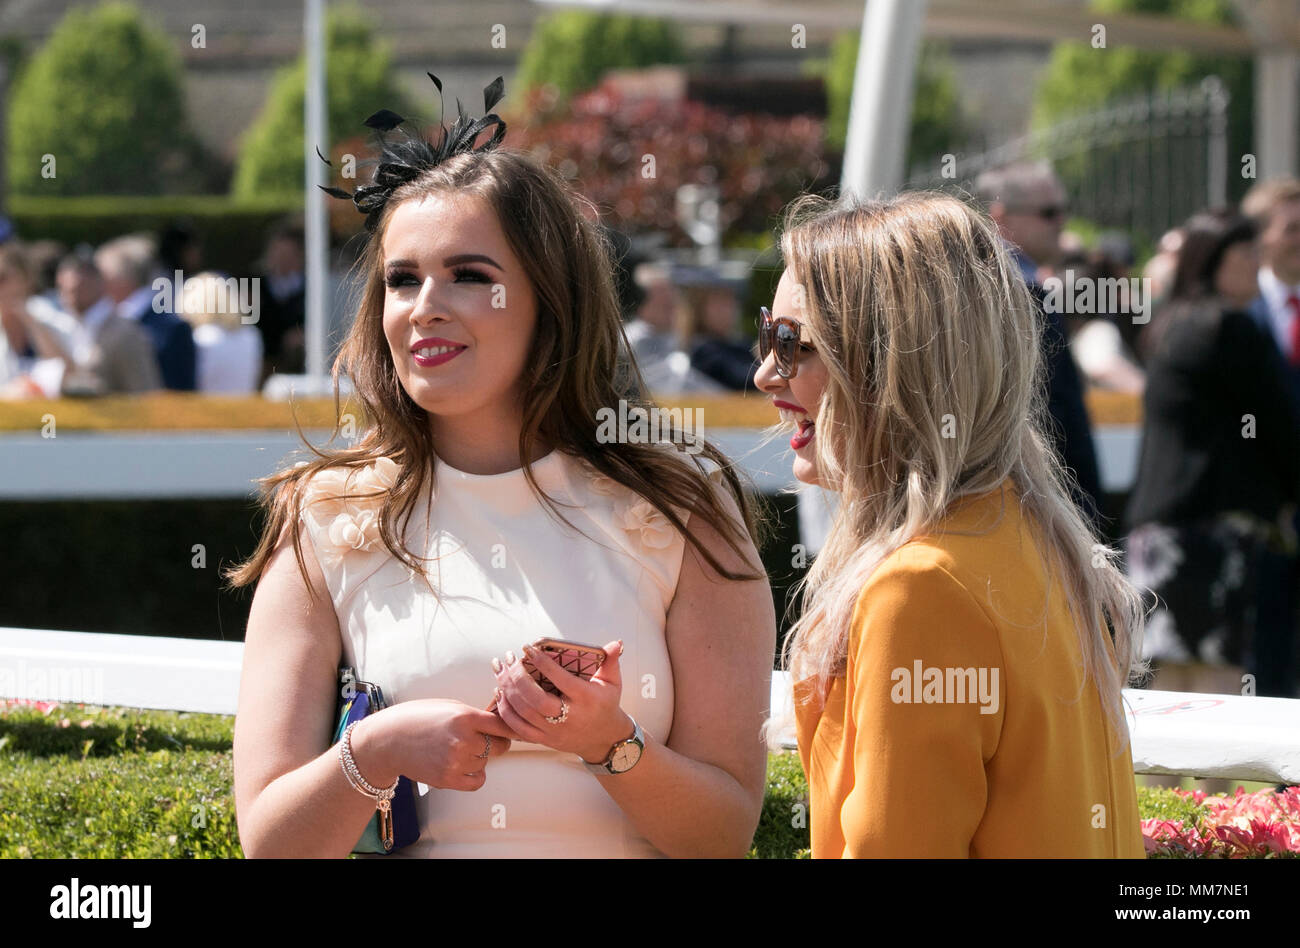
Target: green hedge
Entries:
(233, 231)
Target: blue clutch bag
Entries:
(357, 701)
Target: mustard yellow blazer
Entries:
(962, 727)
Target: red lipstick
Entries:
(454, 349)
(803, 437)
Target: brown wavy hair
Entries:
(581, 363)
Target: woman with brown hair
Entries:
(482, 510)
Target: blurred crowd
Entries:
(140, 313)
(684, 326)
(1208, 334)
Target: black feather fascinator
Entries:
(405, 158)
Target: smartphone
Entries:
(581, 660)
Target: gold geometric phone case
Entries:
(581, 660)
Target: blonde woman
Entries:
(964, 636)
(229, 351)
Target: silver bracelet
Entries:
(382, 795)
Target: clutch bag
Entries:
(356, 702)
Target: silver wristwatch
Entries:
(623, 756)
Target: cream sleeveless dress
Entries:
(507, 574)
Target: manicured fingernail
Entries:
(510, 657)
(496, 665)
(529, 651)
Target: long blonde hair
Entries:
(927, 329)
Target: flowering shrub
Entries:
(1261, 824)
(603, 141)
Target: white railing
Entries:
(132, 465)
(1200, 735)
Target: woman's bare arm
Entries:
(291, 796)
(701, 793)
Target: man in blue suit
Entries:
(126, 264)
(1274, 205)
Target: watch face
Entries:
(625, 757)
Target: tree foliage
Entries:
(1081, 78)
(938, 124)
(359, 82)
(104, 97)
(571, 50)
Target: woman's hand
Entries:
(593, 722)
(442, 743)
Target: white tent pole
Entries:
(1277, 111)
(317, 221)
(881, 109)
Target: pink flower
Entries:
(1265, 823)
(1281, 837)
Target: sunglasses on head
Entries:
(781, 336)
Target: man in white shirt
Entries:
(1275, 207)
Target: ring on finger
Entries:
(487, 748)
(562, 716)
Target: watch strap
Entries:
(603, 768)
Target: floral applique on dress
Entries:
(348, 524)
(633, 512)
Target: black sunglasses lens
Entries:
(787, 341)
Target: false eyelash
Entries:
(394, 279)
(468, 271)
